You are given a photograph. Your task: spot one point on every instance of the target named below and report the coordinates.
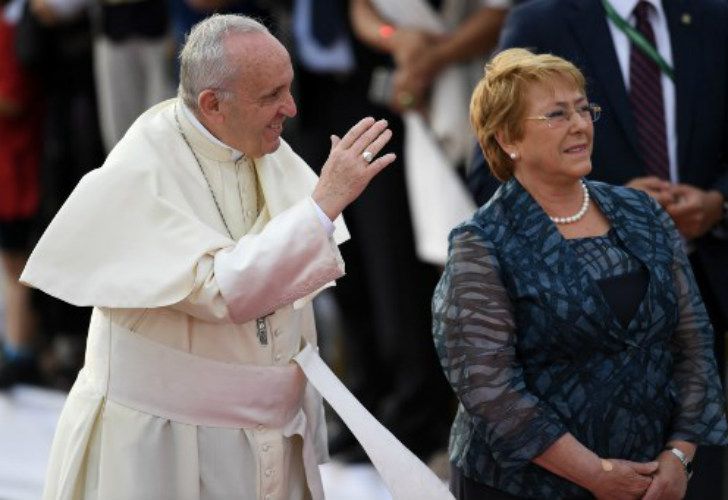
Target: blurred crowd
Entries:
(74, 75)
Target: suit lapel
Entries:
(633, 226)
(529, 221)
(534, 230)
(683, 25)
(589, 23)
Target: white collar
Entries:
(625, 7)
(235, 155)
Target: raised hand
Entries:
(348, 170)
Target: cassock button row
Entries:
(265, 447)
(277, 332)
(269, 473)
(278, 357)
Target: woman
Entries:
(568, 320)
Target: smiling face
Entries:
(557, 154)
(260, 100)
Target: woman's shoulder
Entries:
(488, 221)
(622, 198)
(618, 192)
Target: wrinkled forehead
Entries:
(554, 89)
(259, 65)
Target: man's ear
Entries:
(208, 105)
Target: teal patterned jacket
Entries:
(533, 350)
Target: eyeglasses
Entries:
(561, 117)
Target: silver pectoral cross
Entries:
(262, 329)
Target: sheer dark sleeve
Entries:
(475, 335)
(699, 416)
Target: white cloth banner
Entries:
(404, 474)
(438, 199)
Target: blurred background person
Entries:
(132, 62)
(568, 320)
(437, 47)
(21, 122)
(344, 61)
(57, 48)
(384, 356)
(664, 127)
(132, 56)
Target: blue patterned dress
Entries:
(533, 348)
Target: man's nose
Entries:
(289, 107)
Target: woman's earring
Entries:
(513, 155)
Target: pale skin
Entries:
(550, 163)
(420, 56)
(251, 120)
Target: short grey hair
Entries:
(203, 60)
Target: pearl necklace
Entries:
(578, 215)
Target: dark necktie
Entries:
(645, 92)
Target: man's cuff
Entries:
(324, 219)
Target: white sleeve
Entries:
(325, 221)
(291, 258)
(205, 300)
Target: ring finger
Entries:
(376, 146)
(368, 137)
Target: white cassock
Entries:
(188, 389)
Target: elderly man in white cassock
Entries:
(200, 243)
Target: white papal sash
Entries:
(156, 379)
(406, 477)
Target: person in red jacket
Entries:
(20, 151)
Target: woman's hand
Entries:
(625, 481)
(670, 482)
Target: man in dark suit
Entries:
(694, 190)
